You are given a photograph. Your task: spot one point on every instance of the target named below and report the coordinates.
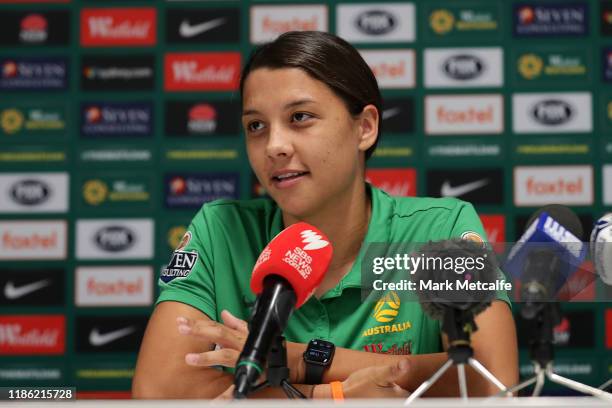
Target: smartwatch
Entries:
(317, 357)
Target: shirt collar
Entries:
(378, 231)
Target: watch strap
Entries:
(314, 373)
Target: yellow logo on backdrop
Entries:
(387, 308)
(11, 120)
(175, 236)
(95, 192)
(441, 21)
(530, 66)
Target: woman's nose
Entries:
(279, 143)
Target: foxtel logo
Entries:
(393, 69)
(33, 240)
(202, 71)
(114, 286)
(464, 114)
(268, 22)
(541, 185)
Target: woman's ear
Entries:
(368, 127)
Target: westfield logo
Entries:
(202, 71)
(32, 334)
(395, 182)
(118, 26)
(189, 71)
(15, 335)
(108, 27)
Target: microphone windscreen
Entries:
(563, 215)
(601, 248)
(300, 254)
(455, 282)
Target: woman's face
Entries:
(303, 145)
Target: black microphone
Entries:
(469, 287)
(549, 251)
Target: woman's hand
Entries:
(371, 382)
(229, 335)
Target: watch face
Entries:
(319, 352)
(318, 356)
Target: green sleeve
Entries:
(197, 287)
(465, 221)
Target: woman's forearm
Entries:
(422, 367)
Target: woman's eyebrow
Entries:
(289, 105)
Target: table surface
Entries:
(582, 402)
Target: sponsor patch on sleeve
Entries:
(184, 241)
(472, 236)
(180, 266)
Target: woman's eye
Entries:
(254, 126)
(301, 116)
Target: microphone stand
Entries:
(278, 372)
(545, 317)
(606, 385)
(458, 326)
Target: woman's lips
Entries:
(287, 182)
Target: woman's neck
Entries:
(345, 223)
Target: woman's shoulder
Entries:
(258, 216)
(419, 206)
(239, 206)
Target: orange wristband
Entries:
(336, 390)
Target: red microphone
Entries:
(286, 274)
(300, 254)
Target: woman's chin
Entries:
(295, 207)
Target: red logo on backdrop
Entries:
(395, 182)
(33, 334)
(118, 26)
(204, 71)
(9, 69)
(495, 227)
(178, 186)
(33, 28)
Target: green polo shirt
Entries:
(211, 271)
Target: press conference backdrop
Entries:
(118, 119)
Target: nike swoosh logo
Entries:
(13, 292)
(389, 113)
(449, 191)
(97, 339)
(187, 30)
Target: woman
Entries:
(311, 118)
